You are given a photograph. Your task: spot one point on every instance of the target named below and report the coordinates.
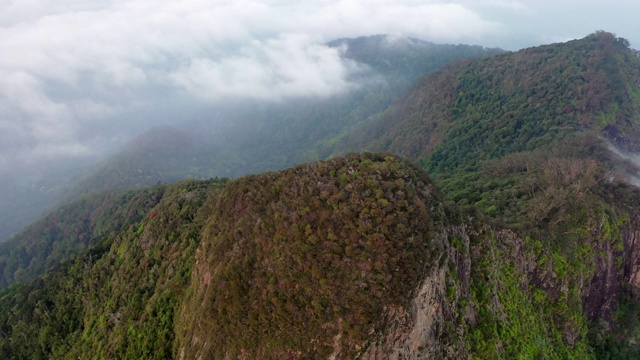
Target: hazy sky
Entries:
(78, 77)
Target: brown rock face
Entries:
(414, 334)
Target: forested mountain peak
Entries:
(322, 250)
(399, 55)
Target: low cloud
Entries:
(435, 20)
(288, 66)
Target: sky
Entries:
(80, 78)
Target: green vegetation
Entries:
(494, 106)
(523, 137)
(71, 229)
(282, 265)
(542, 168)
(118, 299)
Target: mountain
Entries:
(71, 229)
(165, 154)
(511, 232)
(286, 240)
(28, 192)
(242, 137)
(458, 122)
(104, 293)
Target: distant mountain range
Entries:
(490, 219)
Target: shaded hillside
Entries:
(117, 299)
(28, 192)
(405, 59)
(162, 154)
(71, 229)
(275, 136)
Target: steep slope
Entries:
(73, 228)
(303, 262)
(117, 299)
(525, 137)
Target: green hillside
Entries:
(73, 228)
(308, 262)
(525, 138)
(117, 299)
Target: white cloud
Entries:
(435, 20)
(289, 66)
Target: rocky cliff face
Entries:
(416, 331)
(632, 256)
(483, 290)
(497, 293)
